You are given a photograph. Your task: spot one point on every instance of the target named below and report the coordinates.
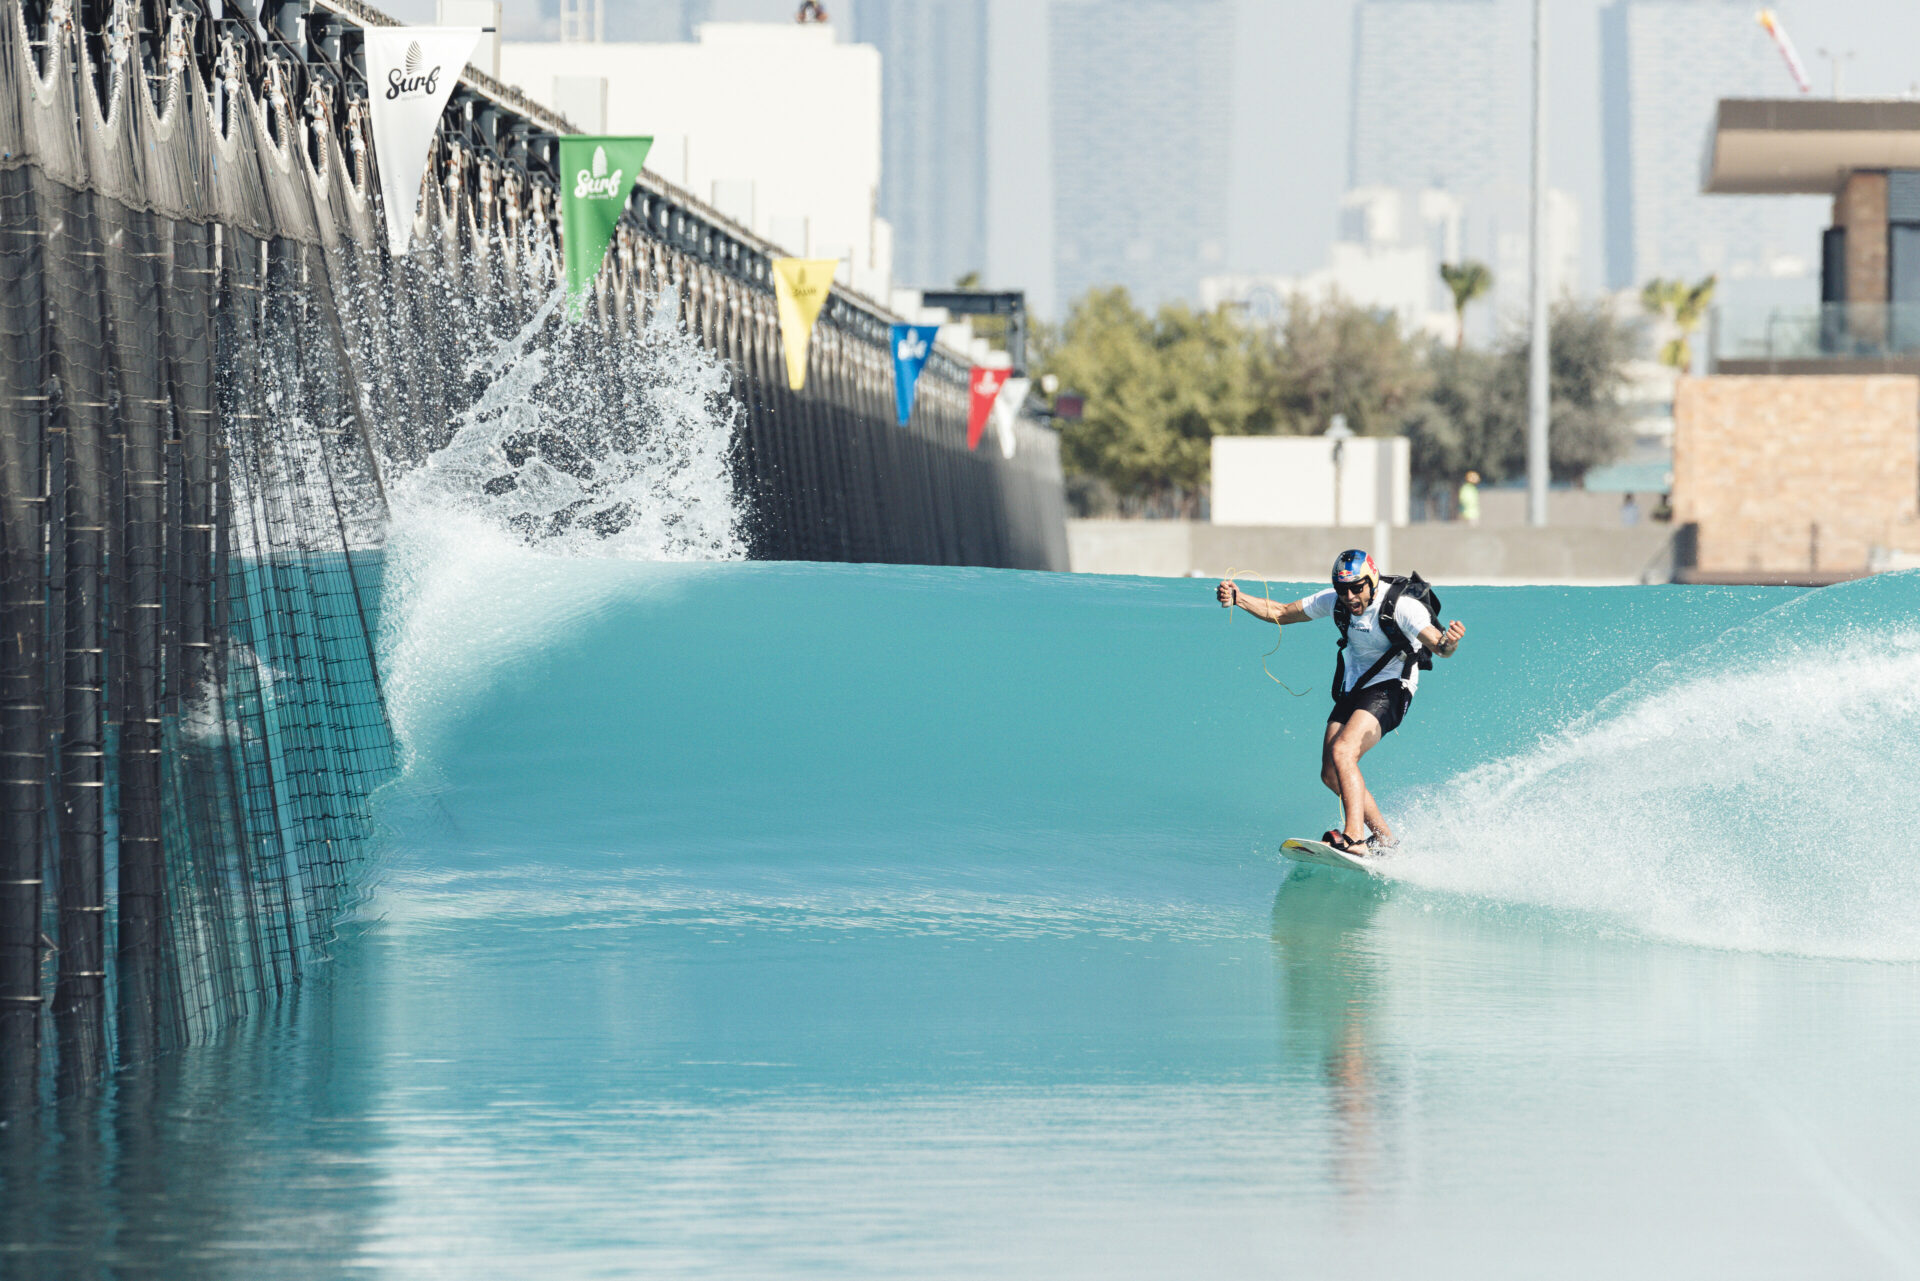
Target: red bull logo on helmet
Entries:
(1352, 566)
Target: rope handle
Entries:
(1280, 634)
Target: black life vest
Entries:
(1407, 649)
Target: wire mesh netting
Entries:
(194, 717)
(213, 379)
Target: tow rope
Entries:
(1280, 631)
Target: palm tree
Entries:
(1682, 306)
(1468, 280)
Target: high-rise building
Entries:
(1440, 95)
(1442, 103)
(1141, 107)
(652, 21)
(1665, 64)
(933, 171)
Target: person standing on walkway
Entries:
(1469, 504)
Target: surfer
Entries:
(1371, 690)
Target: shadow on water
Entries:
(1331, 977)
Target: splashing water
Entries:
(575, 451)
(589, 448)
(1756, 795)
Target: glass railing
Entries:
(1818, 331)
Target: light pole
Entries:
(1339, 433)
(1537, 389)
(1835, 60)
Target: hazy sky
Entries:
(1295, 59)
(1292, 62)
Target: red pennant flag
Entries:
(986, 384)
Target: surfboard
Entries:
(1324, 855)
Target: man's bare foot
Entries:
(1383, 842)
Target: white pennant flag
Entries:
(411, 72)
(1006, 411)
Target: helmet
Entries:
(1352, 566)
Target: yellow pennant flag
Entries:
(800, 285)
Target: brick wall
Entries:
(1797, 472)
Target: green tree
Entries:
(1682, 307)
(1449, 431)
(1475, 416)
(1338, 358)
(1467, 281)
(1157, 389)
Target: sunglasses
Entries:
(1351, 589)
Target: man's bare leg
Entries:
(1331, 778)
(1344, 746)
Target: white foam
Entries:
(1766, 805)
(579, 457)
(590, 446)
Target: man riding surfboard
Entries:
(1374, 680)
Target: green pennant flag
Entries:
(596, 175)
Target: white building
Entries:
(1388, 255)
(777, 126)
(1386, 258)
(1501, 235)
(1388, 216)
(1303, 480)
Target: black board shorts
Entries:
(1387, 701)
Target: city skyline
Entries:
(1289, 69)
(1440, 102)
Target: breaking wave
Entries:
(1757, 793)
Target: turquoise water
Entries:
(763, 920)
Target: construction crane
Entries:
(1784, 44)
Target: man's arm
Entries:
(1260, 607)
(1443, 643)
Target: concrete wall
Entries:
(1507, 508)
(1444, 553)
(1797, 473)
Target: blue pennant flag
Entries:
(912, 344)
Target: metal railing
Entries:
(1816, 331)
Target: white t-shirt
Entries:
(1367, 640)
